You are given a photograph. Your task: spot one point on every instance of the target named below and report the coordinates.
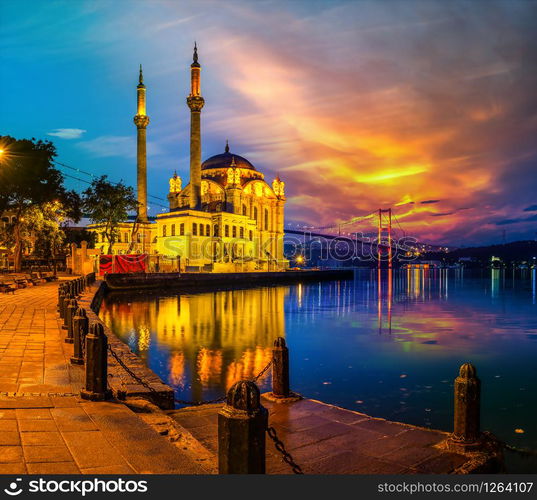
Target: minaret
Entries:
(141, 120)
(195, 103)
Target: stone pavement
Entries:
(325, 439)
(45, 427)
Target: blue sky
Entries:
(427, 107)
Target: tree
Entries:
(108, 204)
(29, 182)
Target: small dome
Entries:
(224, 161)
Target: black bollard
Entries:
(280, 369)
(72, 306)
(80, 330)
(63, 308)
(96, 385)
(242, 423)
(61, 296)
(467, 390)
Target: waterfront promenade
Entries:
(45, 428)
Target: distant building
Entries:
(227, 218)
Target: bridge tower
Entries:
(384, 235)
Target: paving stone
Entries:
(46, 454)
(42, 439)
(382, 426)
(144, 449)
(10, 454)
(53, 468)
(7, 414)
(73, 419)
(9, 438)
(444, 463)
(112, 469)
(8, 425)
(14, 468)
(27, 425)
(33, 414)
(92, 449)
(411, 456)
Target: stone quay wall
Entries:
(121, 383)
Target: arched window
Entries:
(244, 210)
(201, 229)
(234, 231)
(266, 219)
(173, 229)
(241, 232)
(215, 230)
(182, 229)
(208, 230)
(194, 229)
(251, 236)
(226, 229)
(255, 213)
(164, 230)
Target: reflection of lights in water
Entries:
(250, 364)
(494, 278)
(177, 369)
(209, 364)
(299, 292)
(203, 342)
(144, 338)
(533, 282)
(417, 281)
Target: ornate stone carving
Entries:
(233, 176)
(195, 103)
(141, 121)
(278, 186)
(175, 183)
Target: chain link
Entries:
(82, 340)
(153, 390)
(179, 401)
(287, 458)
(262, 372)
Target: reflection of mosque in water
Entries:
(208, 340)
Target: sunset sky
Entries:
(427, 107)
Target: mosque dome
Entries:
(224, 161)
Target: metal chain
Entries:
(179, 401)
(287, 458)
(82, 343)
(130, 372)
(153, 390)
(262, 372)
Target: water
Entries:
(387, 347)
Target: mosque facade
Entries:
(227, 218)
